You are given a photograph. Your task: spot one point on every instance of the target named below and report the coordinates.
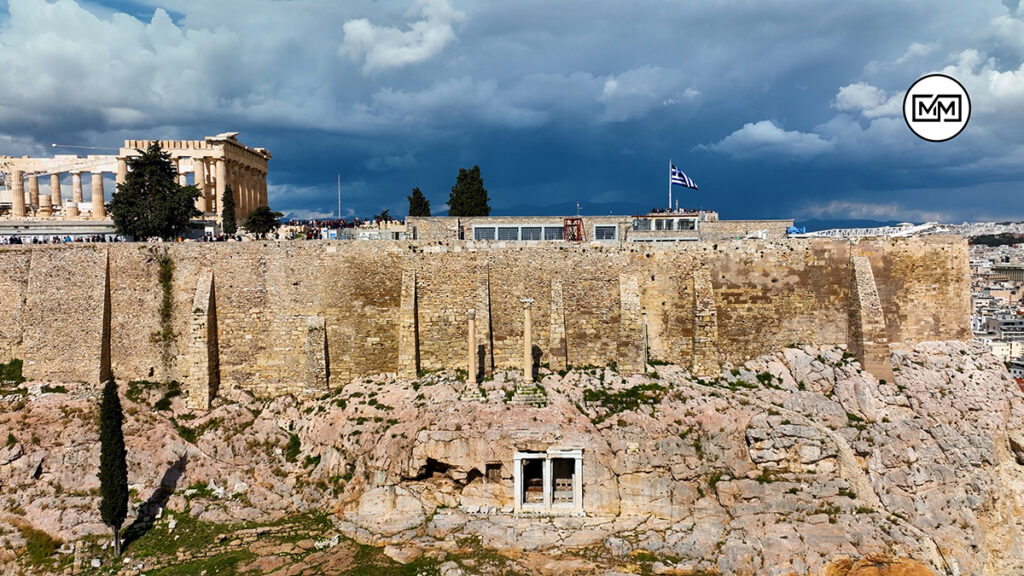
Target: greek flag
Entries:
(676, 176)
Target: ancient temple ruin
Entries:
(210, 164)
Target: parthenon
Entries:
(214, 163)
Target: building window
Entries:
(659, 224)
(530, 233)
(604, 232)
(508, 233)
(483, 233)
(554, 233)
(549, 482)
(643, 224)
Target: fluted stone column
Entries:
(527, 339)
(18, 193)
(221, 170)
(471, 367)
(122, 171)
(33, 190)
(55, 197)
(99, 211)
(201, 203)
(76, 194)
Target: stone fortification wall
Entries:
(298, 317)
(730, 229)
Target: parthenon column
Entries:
(45, 208)
(76, 194)
(99, 211)
(18, 193)
(200, 166)
(122, 171)
(527, 340)
(471, 367)
(55, 199)
(221, 181)
(33, 190)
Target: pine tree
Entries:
(150, 202)
(418, 203)
(469, 197)
(113, 464)
(229, 222)
(262, 220)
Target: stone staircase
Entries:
(473, 393)
(530, 394)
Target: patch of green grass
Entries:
(40, 545)
(626, 400)
(11, 440)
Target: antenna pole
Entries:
(670, 184)
(339, 195)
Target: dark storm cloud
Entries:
(777, 108)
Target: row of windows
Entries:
(525, 233)
(665, 224)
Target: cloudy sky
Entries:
(775, 108)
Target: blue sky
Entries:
(775, 108)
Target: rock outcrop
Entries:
(795, 463)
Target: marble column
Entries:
(122, 171)
(201, 203)
(17, 193)
(76, 194)
(45, 207)
(471, 367)
(548, 484)
(99, 211)
(527, 340)
(55, 198)
(33, 190)
(221, 180)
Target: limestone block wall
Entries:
(730, 229)
(301, 317)
(66, 315)
(13, 285)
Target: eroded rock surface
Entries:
(798, 462)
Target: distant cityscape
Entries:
(997, 297)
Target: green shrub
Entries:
(291, 452)
(11, 371)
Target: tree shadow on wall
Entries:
(151, 507)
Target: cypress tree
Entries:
(229, 222)
(418, 203)
(113, 464)
(469, 197)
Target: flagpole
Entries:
(670, 184)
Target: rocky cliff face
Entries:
(798, 462)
